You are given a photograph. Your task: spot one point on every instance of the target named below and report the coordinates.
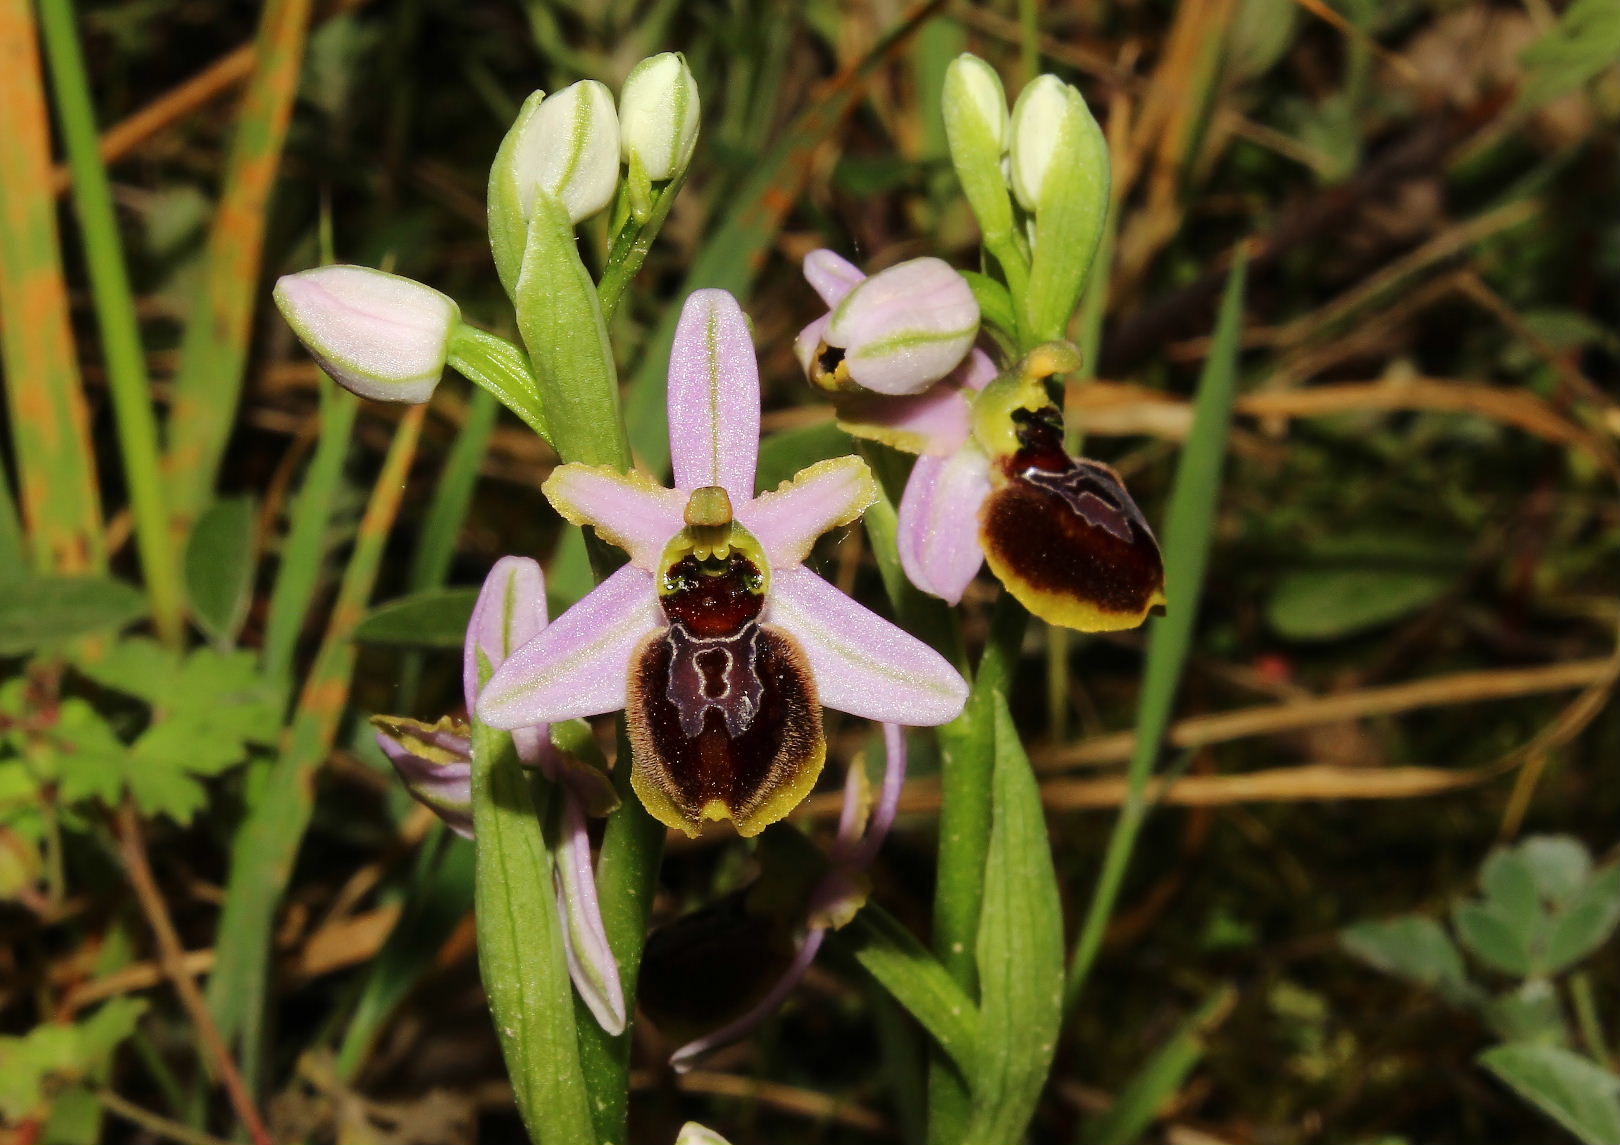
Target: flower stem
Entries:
(630, 247)
(495, 365)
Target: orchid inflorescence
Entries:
(715, 640)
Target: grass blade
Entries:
(311, 514)
(213, 354)
(1187, 537)
(267, 844)
(50, 427)
(115, 315)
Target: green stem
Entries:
(494, 364)
(1586, 1019)
(1029, 39)
(115, 315)
(630, 247)
(967, 763)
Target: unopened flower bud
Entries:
(380, 335)
(976, 128)
(694, 1134)
(1060, 172)
(658, 123)
(898, 332)
(565, 145)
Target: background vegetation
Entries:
(1407, 650)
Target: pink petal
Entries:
(627, 509)
(831, 276)
(863, 664)
(809, 340)
(714, 397)
(939, 522)
(585, 943)
(445, 788)
(788, 519)
(975, 373)
(580, 665)
(511, 611)
(936, 421)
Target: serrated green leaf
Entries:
(1492, 938)
(138, 666)
(220, 561)
(225, 694)
(1020, 950)
(51, 609)
(1558, 863)
(434, 619)
(56, 1053)
(1414, 947)
(1582, 1097)
(1585, 923)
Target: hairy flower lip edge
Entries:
(580, 665)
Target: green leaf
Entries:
(1493, 938)
(1350, 584)
(220, 561)
(917, 980)
(49, 609)
(434, 619)
(1585, 923)
(1584, 43)
(1020, 950)
(54, 1054)
(1558, 863)
(1582, 1097)
(138, 666)
(1414, 947)
(1509, 884)
(520, 945)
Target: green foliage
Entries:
(434, 618)
(1351, 584)
(220, 560)
(1582, 1097)
(54, 1055)
(1582, 45)
(1541, 910)
(1415, 947)
(49, 610)
(208, 709)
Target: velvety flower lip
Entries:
(897, 332)
(715, 592)
(993, 482)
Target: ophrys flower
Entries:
(718, 643)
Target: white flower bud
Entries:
(976, 128)
(379, 335)
(569, 147)
(658, 116)
(566, 145)
(1039, 123)
(973, 90)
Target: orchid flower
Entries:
(435, 761)
(717, 642)
(993, 481)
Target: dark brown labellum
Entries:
(724, 719)
(1065, 536)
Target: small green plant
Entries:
(1542, 910)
